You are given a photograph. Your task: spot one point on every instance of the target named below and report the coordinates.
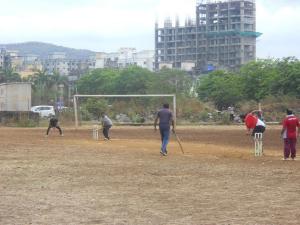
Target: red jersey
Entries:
(290, 124)
(250, 121)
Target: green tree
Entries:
(45, 87)
(96, 107)
(257, 78)
(172, 81)
(98, 81)
(134, 80)
(222, 88)
(287, 81)
(9, 75)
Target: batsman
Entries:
(165, 118)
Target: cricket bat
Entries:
(179, 142)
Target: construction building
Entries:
(223, 36)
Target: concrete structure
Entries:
(57, 62)
(125, 57)
(52, 66)
(30, 69)
(145, 59)
(2, 57)
(5, 60)
(222, 37)
(57, 55)
(30, 65)
(15, 97)
(10, 59)
(24, 65)
(100, 60)
(16, 60)
(31, 58)
(72, 68)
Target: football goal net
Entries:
(128, 109)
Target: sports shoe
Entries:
(162, 153)
(105, 139)
(62, 135)
(285, 159)
(294, 158)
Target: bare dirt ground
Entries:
(76, 180)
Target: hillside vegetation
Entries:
(44, 49)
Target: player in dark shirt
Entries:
(165, 118)
(53, 123)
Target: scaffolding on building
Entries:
(223, 36)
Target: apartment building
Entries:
(73, 68)
(125, 57)
(57, 62)
(2, 57)
(6, 60)
(223, 36)
(145, 59)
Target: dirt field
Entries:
(76, 180)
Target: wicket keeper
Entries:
(53, 123)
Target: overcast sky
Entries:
(107, 25)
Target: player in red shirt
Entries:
(253, 122)
(289, 134)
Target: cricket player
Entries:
(53, 123)
(289, 134)
(106, 125)
(253, 123)
(165, 118)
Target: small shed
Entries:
(15, 97)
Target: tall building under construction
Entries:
(223, 36)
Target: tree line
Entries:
(255, 81)
(135, 80)
(132, 80)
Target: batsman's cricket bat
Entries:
(179, 142)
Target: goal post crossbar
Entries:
(75, 97)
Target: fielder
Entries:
(53, 123)
(165, 118)
(289, 134)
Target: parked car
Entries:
(43, 110)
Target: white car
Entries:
(44, 110)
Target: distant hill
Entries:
(44, 49)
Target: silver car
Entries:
(44, 110)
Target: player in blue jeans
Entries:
(165, 118)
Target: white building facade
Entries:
(125, 57)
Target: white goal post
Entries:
(75, 97)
